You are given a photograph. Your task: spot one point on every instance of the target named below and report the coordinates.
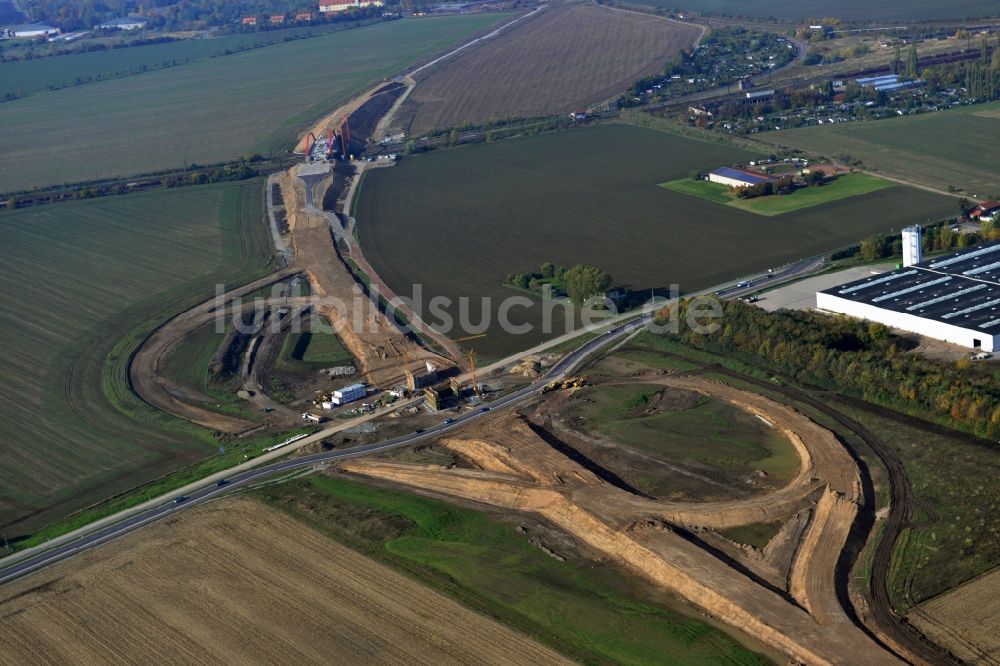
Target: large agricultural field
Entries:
(965, 619)
(25, 77)
(207, 111)
(941, 149)
(892, 11)
(85, 282)
(555, 63)
(459, 221)
(238, 582)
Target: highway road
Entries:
(243, 479)
(18, 565)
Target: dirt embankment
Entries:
(813, 571)
(150, 385)
(515, 469)
(237, 582)
(377, 343)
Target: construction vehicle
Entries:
(568, 383)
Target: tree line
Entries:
(854, 357)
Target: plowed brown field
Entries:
(237, 582)
(965, 620)
(562, 60)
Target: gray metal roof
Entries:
(960, 288)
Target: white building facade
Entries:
(954, 298)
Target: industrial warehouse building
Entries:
(737, 177)
(955, 297)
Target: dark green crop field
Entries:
(893, 11)
(933, 149)
(84, 282)
(26, 77)
(211, 110)
(459, 221)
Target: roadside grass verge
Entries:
(228, 456)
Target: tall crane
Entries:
(346, 136)
(329, 144)
(309, 145)
(472, 366)
(411, 383)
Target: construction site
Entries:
(742, 503)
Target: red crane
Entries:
(346, 135)
(309, 145)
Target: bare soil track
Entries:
(804, 616)
(903, 509)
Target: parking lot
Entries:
(801, 295)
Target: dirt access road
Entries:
(512, 467)
(238, 582)
(903, 510)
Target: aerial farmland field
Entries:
(847, 10)
(85, 281)
(208, 111)
(459, 221)
(20, 78)
(933, 149)
(298, 593)
(554, 63)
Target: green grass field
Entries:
(702, 432)
(893, 11)
(934, 149)
(86, 282)
(188, 365)
(313, 350)
(591, 614)
(958, 479)
(458, 221)
(848, 185)
(210, 110)
(26, 77)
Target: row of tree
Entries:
(854, 357)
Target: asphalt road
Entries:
(98, 537)
(102, 535)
